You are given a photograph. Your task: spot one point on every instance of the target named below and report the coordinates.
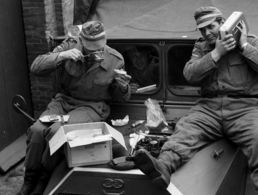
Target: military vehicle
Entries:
(156, 45)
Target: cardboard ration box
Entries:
(86, 143)
(233, 25)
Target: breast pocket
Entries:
(238, 70)
(102, 81)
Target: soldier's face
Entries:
(139, 60)
(210, 33)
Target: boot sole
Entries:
(148, 168)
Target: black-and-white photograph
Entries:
(129, 97)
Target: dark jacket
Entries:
(83, 86)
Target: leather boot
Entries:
(26, 189)
(48, 165)
(42, 183)
(156, 169)
(30, 180)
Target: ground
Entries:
(11, 181)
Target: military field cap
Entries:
(206, 15)
(93, 35)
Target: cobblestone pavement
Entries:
(11, 181)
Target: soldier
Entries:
(89, 82)
(142, 65)
(227, 71)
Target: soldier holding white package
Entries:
(227, 72)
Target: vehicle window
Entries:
(177, 57)
(142, 64)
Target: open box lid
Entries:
(60, 136)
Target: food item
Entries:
(123, 74)
(120, 122)
(120, 71)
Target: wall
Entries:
(14, 76)
(43, 19)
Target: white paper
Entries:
(81, 133)
(54, 118)
(146, 89)
(57, 140)
(117, 136)
(120, 122)
(79, 141)
(173, 190)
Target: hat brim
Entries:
(94, 45)
(206, 23)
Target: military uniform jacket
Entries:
(92, 86)
(235, 73)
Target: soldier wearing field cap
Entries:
(227, 71)
(88, 83)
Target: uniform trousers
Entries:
(210, 120)
(37, 153)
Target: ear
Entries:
(222, 21)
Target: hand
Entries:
(223, 46)
(243, 37)
(122, 79)
(72, 54)
(134, 86)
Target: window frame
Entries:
(185, 90)
(157, 93)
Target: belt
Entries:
(228, 95)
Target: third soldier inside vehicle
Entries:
(227, 71)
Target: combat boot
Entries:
(42, 183)
(155, 168)
(26, 188)
(30, 180)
